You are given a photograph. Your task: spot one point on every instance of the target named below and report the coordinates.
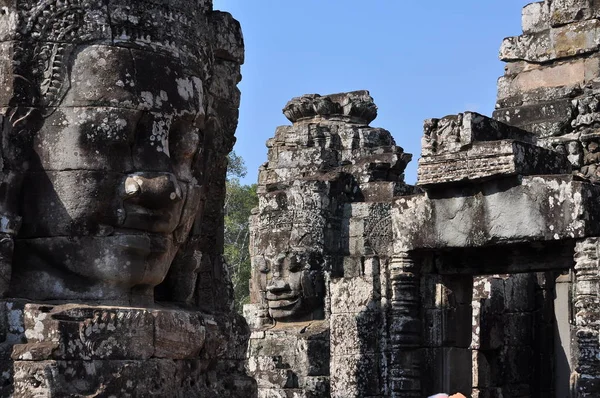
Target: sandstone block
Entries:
(567, 11)
(355, 334)
(353, 295)
(552, 44)
(491, 159)
(537, 85)
(547, 119)
(551, 210)
(454, 133)
(229, 41)
(535, 17)
(357, 106)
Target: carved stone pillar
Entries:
(586, 356)
(405, 327)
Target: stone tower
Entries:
(320, 236)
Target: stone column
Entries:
(585, 332)
(405, 327)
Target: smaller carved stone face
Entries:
(294, 285)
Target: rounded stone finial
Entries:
(354, 106)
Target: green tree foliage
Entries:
(239, 202)
(236, 168)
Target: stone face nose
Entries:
(152, 190)
(278, 285)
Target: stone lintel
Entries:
(499, 211)
(490, 159)
(504, 259)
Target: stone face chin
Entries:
(121, 263)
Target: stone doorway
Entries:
(476, 260)
(495, 334)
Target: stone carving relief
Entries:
(441, 135)
(104, 139)
(290, 261)
(586, 124)
(321, 242)
(378, 230)
(116, 120)
(579, 137)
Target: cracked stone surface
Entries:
(319, 237)
(481, 280)
(117, 118)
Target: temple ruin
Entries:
(117, 118)
(482, 279)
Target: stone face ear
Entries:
(312, 286)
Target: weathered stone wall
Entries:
(451, 286)
(550, 86)
(513, 329)
(479, 217)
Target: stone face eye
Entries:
(261, 265)
(296, 264)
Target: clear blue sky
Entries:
(419, 59)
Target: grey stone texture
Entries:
(117, 118)
(450, 285)
(319, 239)
(551, 80)
(550, 88)
(473, 147)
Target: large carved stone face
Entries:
(111, 188)
(294, 284)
